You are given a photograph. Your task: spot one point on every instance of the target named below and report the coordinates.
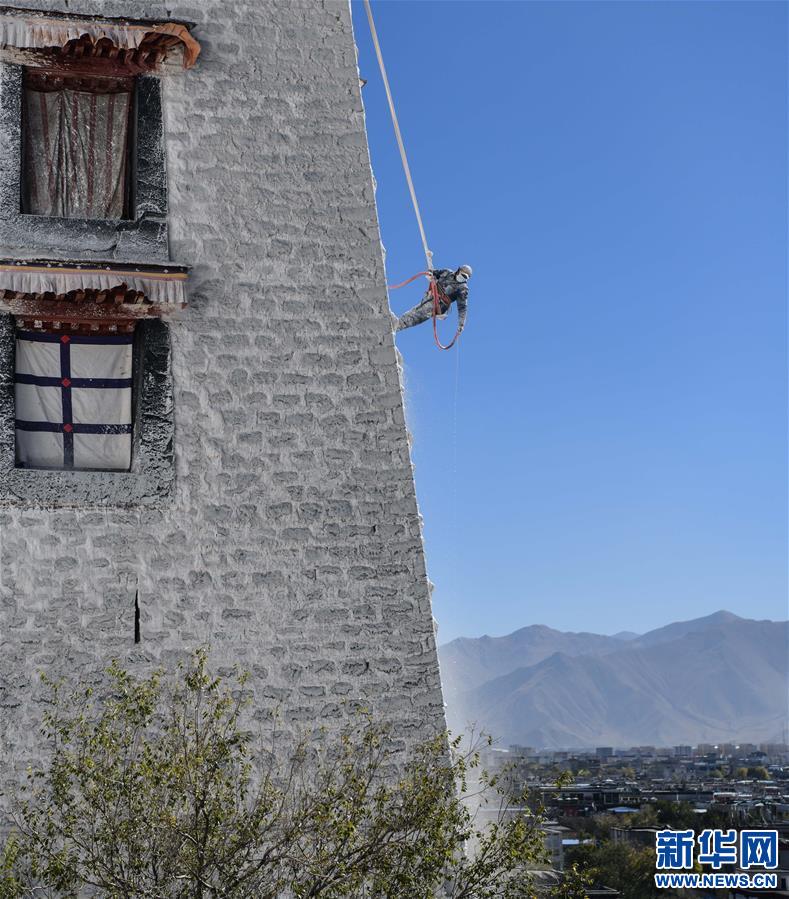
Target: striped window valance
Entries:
(25, 283)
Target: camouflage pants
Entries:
(420, 313)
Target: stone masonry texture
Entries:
(292, 541)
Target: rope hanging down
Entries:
(437, 294)
(398, 135)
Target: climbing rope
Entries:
(412, 278)
(438, 302)
(398, 135)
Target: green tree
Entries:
(158, 790)
(648, 816)
(673, 815)
(629, 869)
(574, 884)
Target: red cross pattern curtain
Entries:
(76, 137)
(73, 400)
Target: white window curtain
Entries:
(73, 401)
(75, 149)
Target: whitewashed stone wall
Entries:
(292, 543)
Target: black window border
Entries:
(141, 238)
(150, 480)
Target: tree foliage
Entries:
(157, 790)
(629, 869)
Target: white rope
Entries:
(455, 525)
(403, 157)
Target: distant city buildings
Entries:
(610, 795)
(746, 780)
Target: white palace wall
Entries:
(290, 540)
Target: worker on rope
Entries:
(452, 288)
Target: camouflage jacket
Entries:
(455, 292)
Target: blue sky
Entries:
(615, 453)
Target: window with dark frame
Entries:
(149, 479)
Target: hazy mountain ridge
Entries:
(710, 679)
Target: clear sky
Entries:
(609, 449)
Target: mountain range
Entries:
(715, 679)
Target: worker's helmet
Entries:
(463, 273)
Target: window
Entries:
(73, 395)
(89, 363)
(82, 165)
(76, 145)
(82, 155)
(131, 468)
